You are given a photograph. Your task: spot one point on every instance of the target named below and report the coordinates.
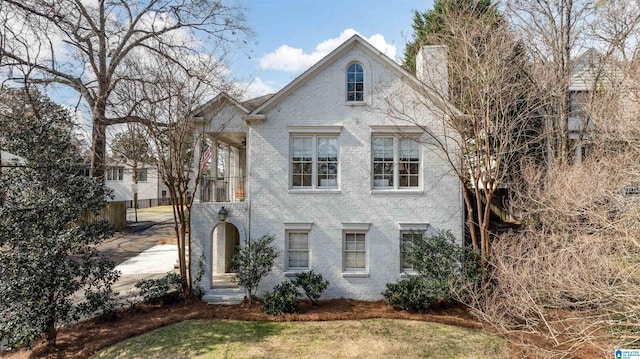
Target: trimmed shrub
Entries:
(283, 299)
(312, 284)
(414, 294)
(166, 290)
(441, 265)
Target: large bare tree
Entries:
(555, 32)
(89, 46)
(570, 275)
(489, 84)
(171, 107)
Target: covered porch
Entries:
(223, 174)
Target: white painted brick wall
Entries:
(321, 101)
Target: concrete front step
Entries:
(224, 295)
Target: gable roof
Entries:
(353, 41)
(245, 106)
(221, 97)
(256, 102)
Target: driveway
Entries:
(146, 249)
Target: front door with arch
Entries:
(225, 243)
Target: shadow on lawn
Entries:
(195, 337)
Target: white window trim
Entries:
(392, 130)
(119, 173)
(140, 172)
(364, 84)
(408, 271)
(314, 132)
(396, 162)
(294, 270)
(296, 227)
(358, 228)
(368, 78)
(413, 226)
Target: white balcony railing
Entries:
(223, 189)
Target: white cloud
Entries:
(290, 59)
(257, 88)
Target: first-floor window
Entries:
(298, 250)
(114, 173)
(314, 161)
(407, 238)
(396, 162)
(355, 251)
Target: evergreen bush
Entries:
(166, 290)
(283, 299)
(312, 284)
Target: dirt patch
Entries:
(84, 339)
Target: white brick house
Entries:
(322, 167)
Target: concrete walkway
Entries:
(137, 252)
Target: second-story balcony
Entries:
(223, 189)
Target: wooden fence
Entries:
(115, 213)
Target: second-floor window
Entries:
(314, 161)
(396, 162)
(114, 173)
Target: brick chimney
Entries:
(431, 69)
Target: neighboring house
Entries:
(582, 80)
(119, 177)
(590, 72)
(322, 167)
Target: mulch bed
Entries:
(84, 339)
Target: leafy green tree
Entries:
(426, 24)
(252, 262)
(50, 270)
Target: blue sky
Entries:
(291, 35)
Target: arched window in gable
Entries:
(355, 82)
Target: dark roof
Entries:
(254, 103)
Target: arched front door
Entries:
(226, 241)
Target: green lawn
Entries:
(375, 338)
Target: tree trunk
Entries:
(52, 333)
(99, 146)
(470, 224)
(189, 259)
